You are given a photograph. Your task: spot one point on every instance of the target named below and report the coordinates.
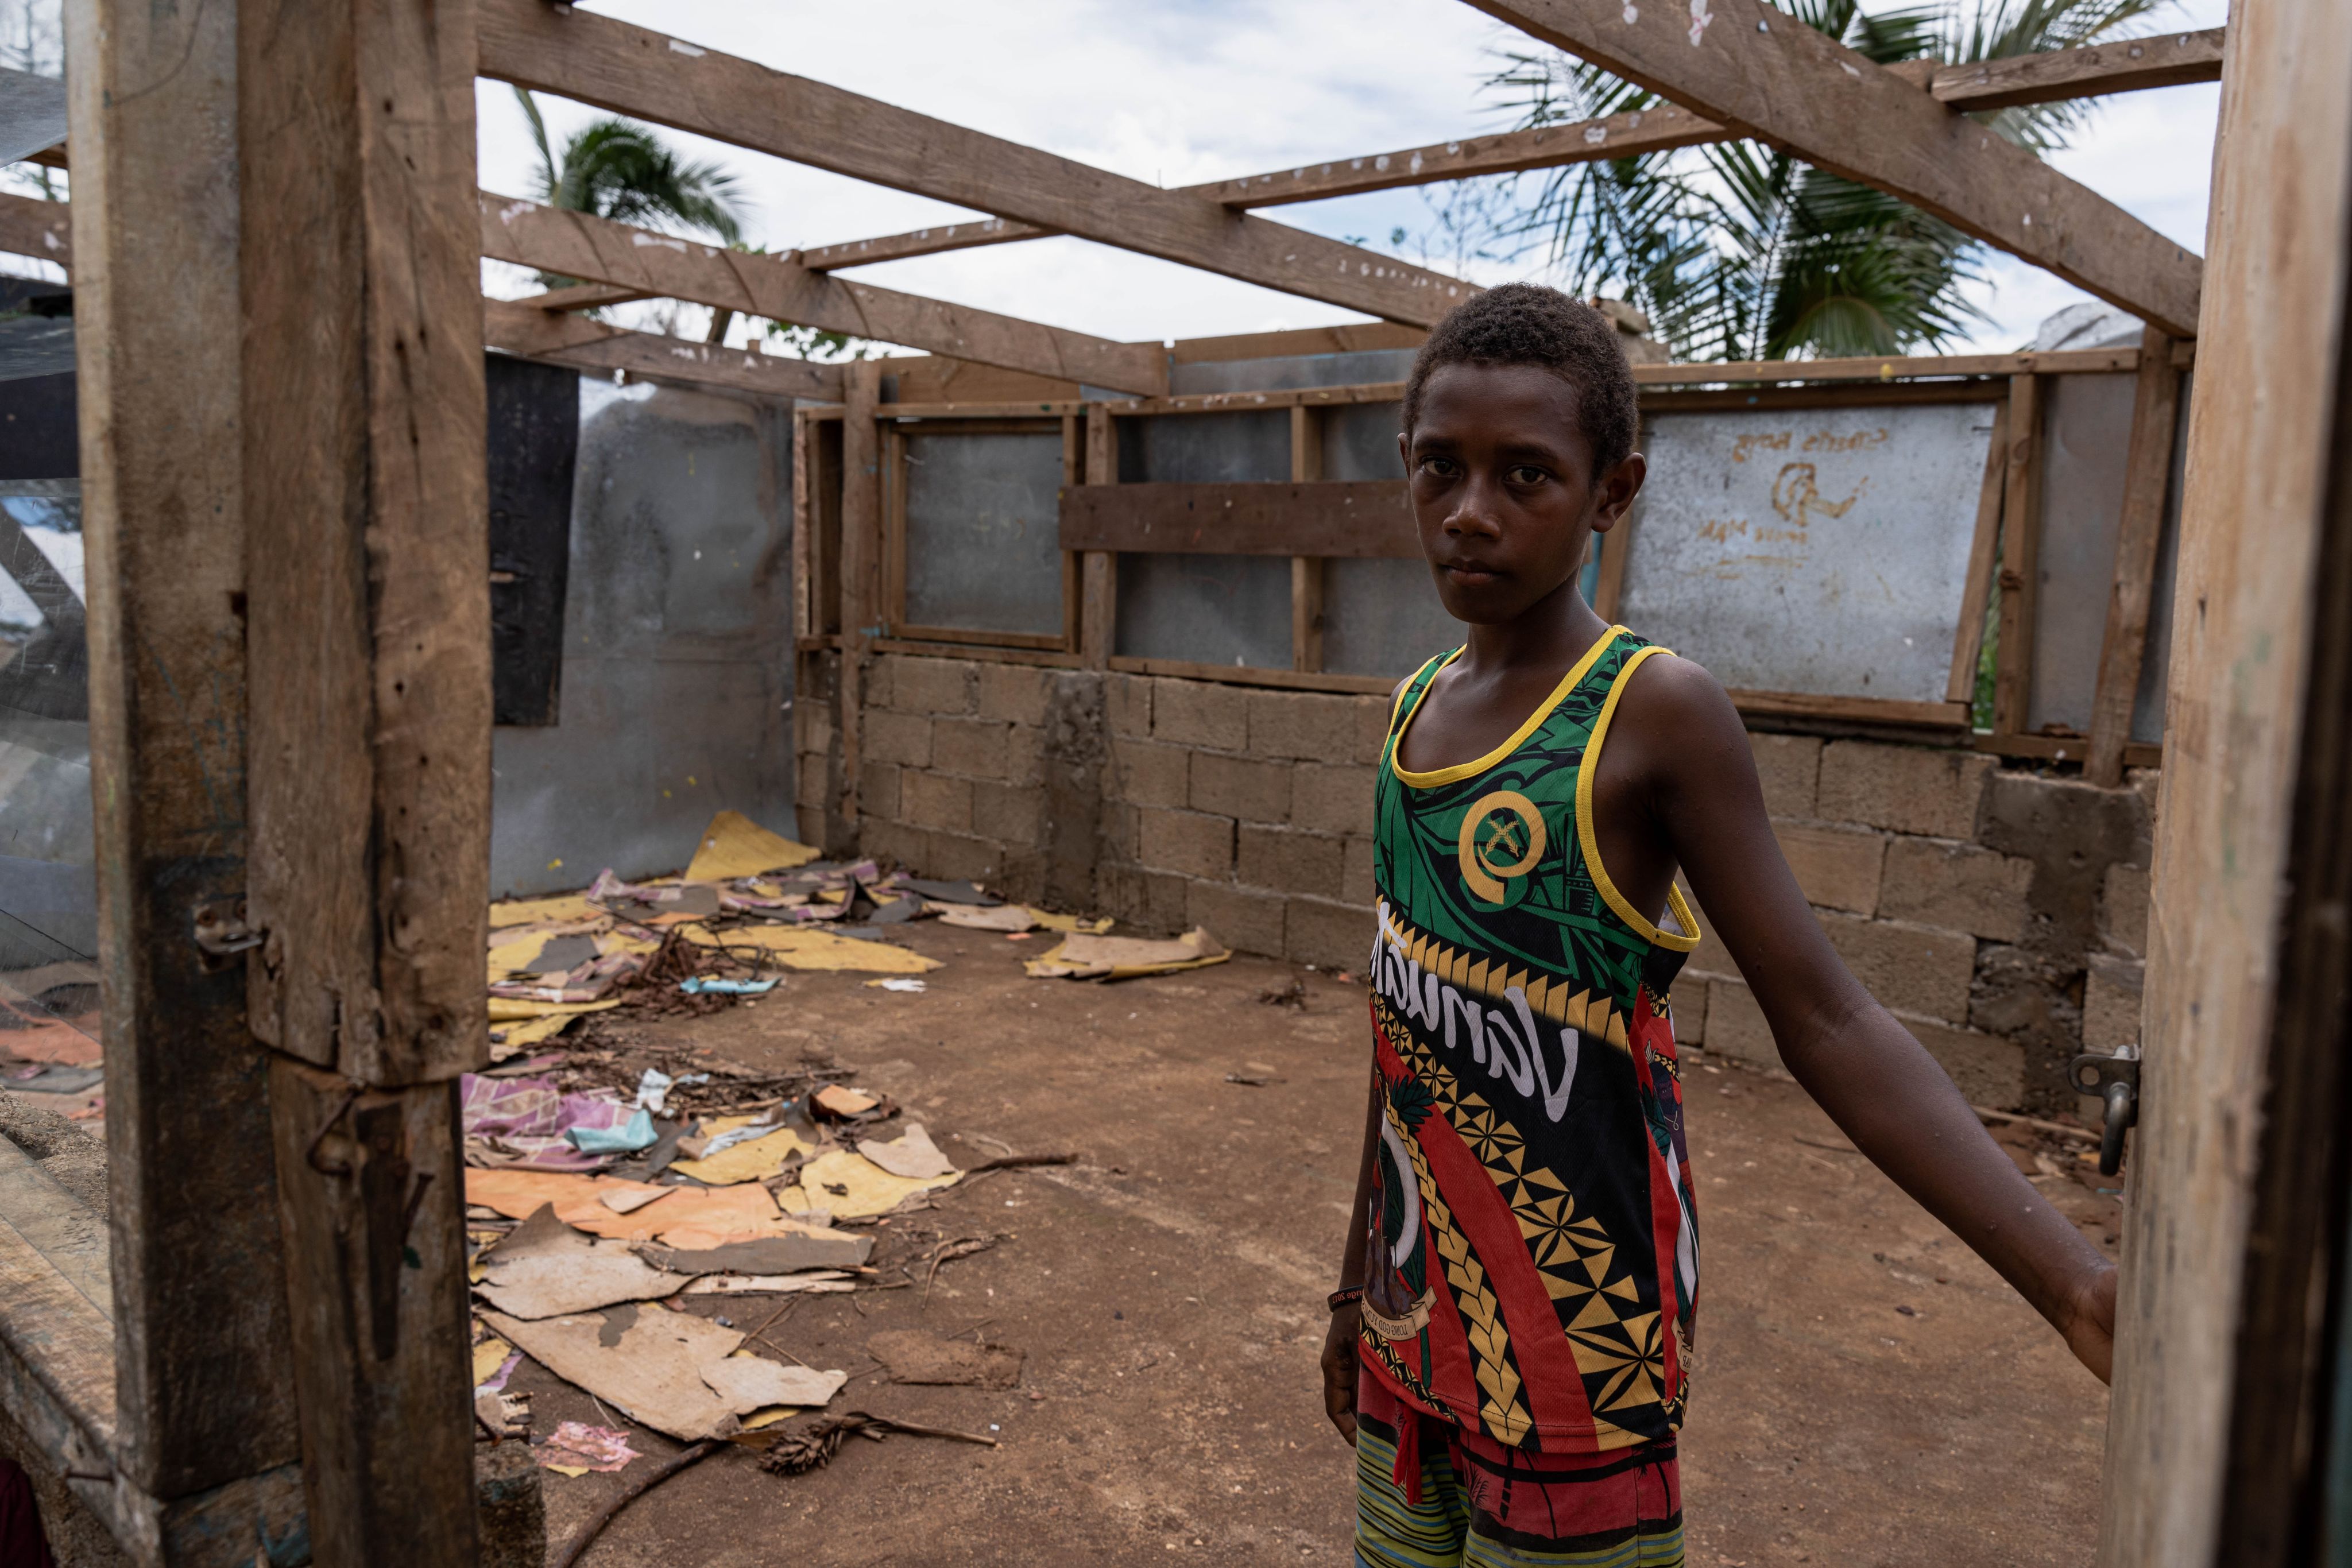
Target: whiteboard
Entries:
(1814, 550)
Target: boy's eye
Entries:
(1438, 467)
(1526, 474)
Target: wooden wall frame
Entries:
(895, 429)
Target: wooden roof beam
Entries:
(577, 244)
(522, 327)
(30, 226)
(630, 71)
(1764, 74)
(2125, 65)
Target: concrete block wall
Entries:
(1999, 914)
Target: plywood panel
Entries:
(1810, 550)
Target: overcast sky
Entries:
(1180, 91)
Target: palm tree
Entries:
(1737, 251)
(620, 170)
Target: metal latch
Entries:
(220, 934)
(2116, 1079)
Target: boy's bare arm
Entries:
(1340, 1340)
(1691, 766)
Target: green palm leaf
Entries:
(620, 170)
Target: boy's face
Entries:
(1503, 487)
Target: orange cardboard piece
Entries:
(688, 1219)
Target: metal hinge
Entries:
(220, 934)
(2116, 1079)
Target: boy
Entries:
(1509, 1346)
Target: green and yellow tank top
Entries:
(1533, 1261)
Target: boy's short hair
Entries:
(1529, 324)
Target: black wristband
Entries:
(1344, 1295)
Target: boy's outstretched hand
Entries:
(2089, 1322)
(1340, 1368)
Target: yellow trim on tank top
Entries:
(1438, 776)
(1681, 941)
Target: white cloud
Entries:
(1174, 93)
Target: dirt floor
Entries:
(1867, 1392)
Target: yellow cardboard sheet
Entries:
(871, 1189)
(506, 1009)
(489, 1356)
(1081, 957)
(800, 948)
(754, 1159)
(515, 1035)
(540, 911)
(734, 845)
(1070, 922)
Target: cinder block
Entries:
(1990, 1071)
(1837, 868)
(809, 822)
(809, 787)
(1012, 814)
(932, 686)
(2111, 999)
(1328, 936)
(2123, 911)
(1128, 700)
(1958, 886)
(1909, 788)
(1242, 918)
(1241, 787)
(1291, 861)
(875, 692)
(1013, 692)
(1909, 968)
(1687, 1012)
(901, 737)
(1154, 899)
(1024, 755)
(877, 790)
(1356, 881)
(1200, 713)
(1333, 799)
(1301, 723)
(812, 726)
(935, 801)
(1736, 1025)
(972, 747)
(1143, 774)
(1188, 842)
(955, 858)
(1788, 765)
(910, 846)
(1372, 713)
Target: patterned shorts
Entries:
(1429, 1495)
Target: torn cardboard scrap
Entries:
(768, 1255)
(546, 1268)
(806, 947)
(852, 1186)
(912, 1154)
(673, 1372)
(735, 846)
(1080, 957)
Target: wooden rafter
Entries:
(2127, 65)
(1764, 74)
(578, 244)
(524, 328)
(29, 226)
(631, 70)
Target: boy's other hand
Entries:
(1339, 1369)
(2090, 1323)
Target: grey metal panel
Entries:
(1206, 609)
(982, 531)
(677, 645)
(1815, 550)
(2085, 444)
(1287, 375)
(1383, 618)
(1359, 442)
(2147, 706)
(32, 114)
(1247, 446)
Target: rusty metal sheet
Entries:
(1814, 550)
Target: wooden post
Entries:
(2147, 476)
(861, 546)
(368, 650)
(2021, 540)
(1073, 473)
(2232, 1306)
(201, 1365)
(1306, 570)
(1967, 640)
(1098, 616)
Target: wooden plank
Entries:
(1249, 675)
(1628, 135)
(903, 634)
(2063, 748)
(861, 546)
(2125, 65)
(1306, 570)
(587, 344)
(894, 529)
(986, 653)
(2231, 1308)
(1866, 710)
(1975, 592)
(632, 70)
(2021, 538)
(36, 228)
(2147, 476)
(1361, 517)
(1897, 368)
(578, 244)
(1098, 591)
(1762, 73)
(805, 616)
(1350, 338)
(368, 645)
(201, 1362)
(1074, 473)
(584, 297)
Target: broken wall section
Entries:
(1998, 912)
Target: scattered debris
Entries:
(1080, 957)
(768, 1255)
(820, 1281)
(1253, 1080)
(735, 846)
(856, 1187)
(673, 1372)
(1292, 995)
(546, 1268)
(705, 984)
(840, 1102)
(797, 1453)
(502, 1415)
(988, 917)
(574, 1448)
(758, 1153)
(896, 984)
(579, 1543)
(912, 1155)
(914, 1355)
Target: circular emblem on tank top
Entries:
(1502, 838)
